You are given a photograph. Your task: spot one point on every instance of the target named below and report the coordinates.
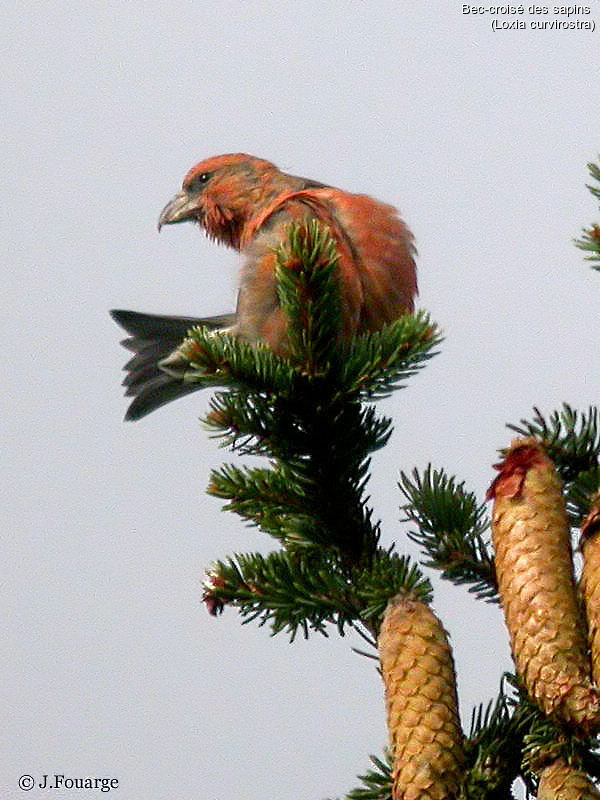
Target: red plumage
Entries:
(247, 203)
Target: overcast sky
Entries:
(481, 138)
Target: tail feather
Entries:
(153, 337)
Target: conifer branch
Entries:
(570, 437)
(290, 592)
(305, 413)
(579, 495)
(374, 365)
(572, 440)
(306, 278)
(219, 359)
(294, 503)
(269, 499)
(306, 590)
(286, 429)
(494, 746)
(452, 529)
(590, 238)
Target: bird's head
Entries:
(223, 194)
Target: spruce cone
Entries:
(559, 781)
(422, 707)
(534, 566)
(590, 581)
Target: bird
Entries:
(247, 203)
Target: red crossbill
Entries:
(247, 203)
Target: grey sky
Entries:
(480, 138)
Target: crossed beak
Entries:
(179, 209)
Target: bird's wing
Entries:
(383, 252)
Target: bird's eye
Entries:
(197, 183)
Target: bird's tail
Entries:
(152, 338)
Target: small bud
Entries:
(422, 707)
(534, 566)
(214, 604)
(219, 418)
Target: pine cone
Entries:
(422, 707)
(534, 566)
(559, 781)
(590, 581)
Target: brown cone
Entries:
(590, 582)
(422, 707)
(559, 781)
(534, 567)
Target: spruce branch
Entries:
(580, 493)
(264, 497)
(305, 412)
(570, 437)
(252, 424)
(307, 287)
(244, 421)
(312, 415)
(572, 440)
(544, 742)
(512, 738)
(220, 359)
(590, 238)
(594, 170)
(452, 530)
(494, 746)
(306, 590)
(319, 448)
(373, 365)
(387, 576)
(369, 367)
(590, 760)
(290, 505)
(289, 591)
